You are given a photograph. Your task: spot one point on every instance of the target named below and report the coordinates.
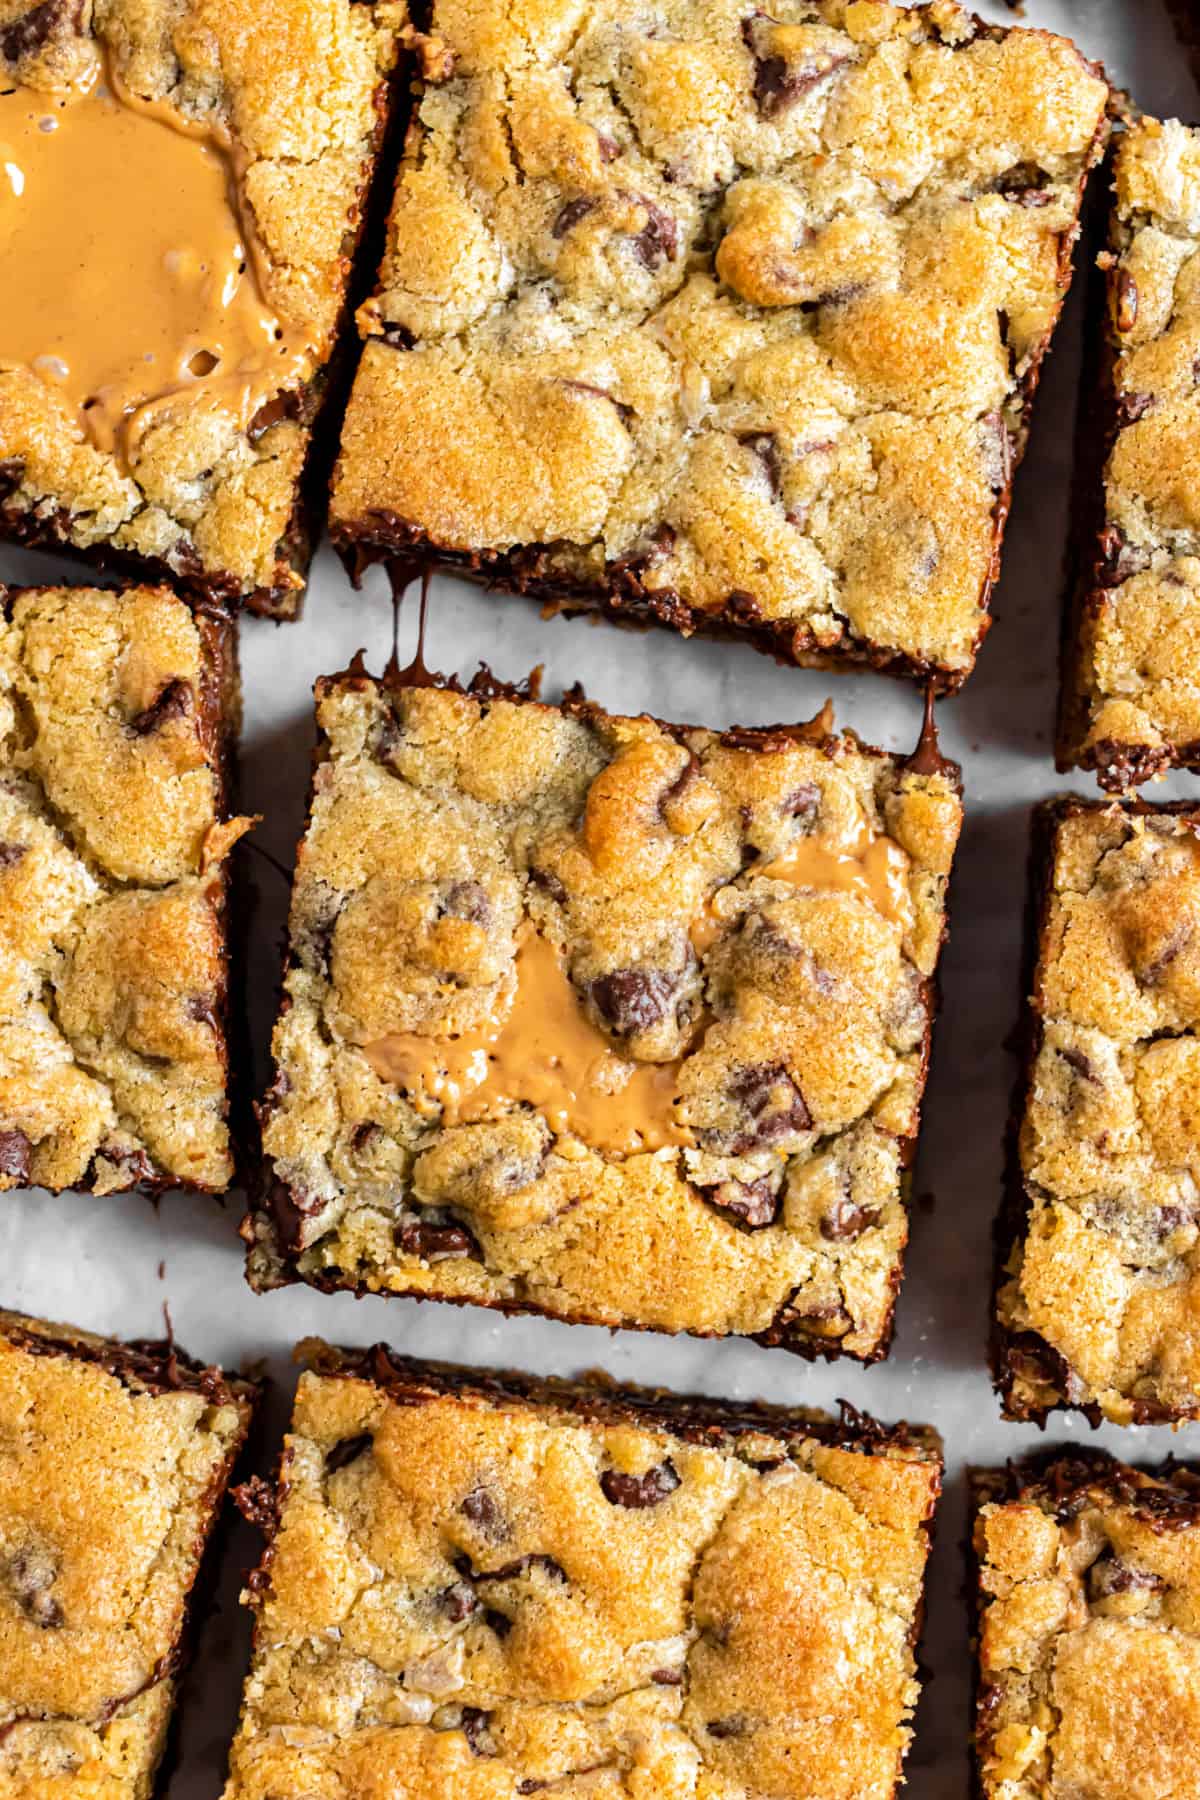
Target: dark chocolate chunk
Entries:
(638, 1491)
(467, 900)
(771, 1104)
(765, 446)
(522, 1565)
(1109, 1575)
(16, 1156)
(11, 854)
(474, 1727)
(733, 1726)
(632, 1000)
(174, 701)
(482, 1510)
(435, 1238)
(755, 1203)
(845, 1221)
(658, 240)
(571, 213)
(29, 32)
(31, 1575)
(347, 1450)
(778, 83)
(458, 1601)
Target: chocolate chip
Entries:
(364, 1135)
(174, 701)
(458, 1601)
(498, 1622)
(1127, 301)
(1154, 971)
(435, 1238)
(11, 854)
(16, 1156)
(32, 29)
(1075, 1059)
(31, 1575)
(571, 214)
(347, 1450)
(1132, 407)
(755, 1203)
(731, 1727)
(803, 803)
(203, 1009)
(667, 1677)
(273, 412)
(1026, 184)
(772, 1105)
(549, 884)
(1109, 1575)
(1119, 559)
(467, 900)
(845, 1221)
(638, 1491)
(633, 1000)
(658, 239)
(522, 1565)
(482, 1510)
(623, 411)
(474, 1726)
(398, 336)
(744, 606)
(779, 84)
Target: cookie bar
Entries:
(1089, 1628)
(723, 319)
(481, 1585)
(117, 718)
(1098, 1275)
(1131, 692)
(605, 1018)
(184, 192)
(116, 1458)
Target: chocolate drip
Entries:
(927, 758)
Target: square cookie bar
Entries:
(116, 1458)
(187, 190)
(117, 718)
(604, 1018)
(1098, 1276)
(727, 319)
(482, 1585)
(1088, 1594)
(1131, 654)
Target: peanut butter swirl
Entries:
(138, 284)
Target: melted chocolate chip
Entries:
(772, 1105)
(32, 29)
(1082, 1065)
(273, 412)
(755, 1203)
(549, 884)
(498, 1622)
(347, 1450)
(174, 701)
(658, 240)
(638, 1491)
(1026, 184)
(845, 1221)
(523, 1565)
(482, 1510)
(571, 214)
(633, 1000)
(1132, 407)
(803, 803)
(731, 1727)
(667, 1677)
(458, 1601)
(623, 411)
(11, 854)
(31, 1575)
(1155, 970)
(765, 446)
(474, 1726)
(778, 83)
(467, 900)
(435, 1239)
(16, 1156)
(1109, 1575)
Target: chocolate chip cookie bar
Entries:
(481, 1585)
(1131, 691)
(1089, 1628)
(183, 186)
(604, 1018)
(116, 1458)
(1099, 1241)
(117, 718)
(731, 321)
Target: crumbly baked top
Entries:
(115, 1462)
(113, 828)
(723, 315)
(469, 1594)
(695, 971)
(1105, 1270)
(1132, 693)
(1089, 1642)
(287, 97)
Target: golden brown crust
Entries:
(1089, 1659)
(1131, 699)
(476, 1593)
(116, 711)
(1099, 1283)
(301, 87)
(733, 320)
(115, 1465)
(795, 1014)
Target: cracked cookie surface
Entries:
(1099, 1284)
(603, 1018)
(115, 1464)
(292, 94)
(1089, 1626)
(1131, 694)
(484, 1586)
(725, 318)
(116, 715)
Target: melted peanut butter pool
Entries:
(129, 280)
(546, 1054)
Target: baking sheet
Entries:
(111, 1264)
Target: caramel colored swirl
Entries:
(544, 1053)
(871, 866)
(130, 281)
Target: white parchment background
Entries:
(97, 1262)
